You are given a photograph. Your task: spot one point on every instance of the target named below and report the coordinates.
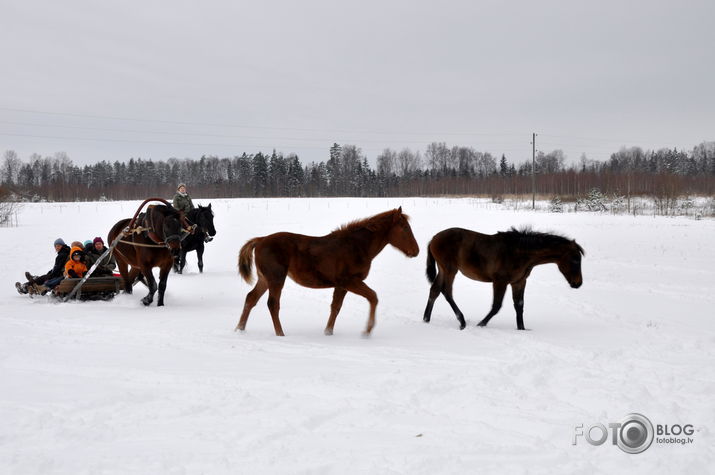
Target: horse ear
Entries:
(209, 205)
(397, 215)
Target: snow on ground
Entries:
(114, 387)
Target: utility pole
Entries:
(533, 171)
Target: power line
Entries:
(105, 129)
(593, 139)
(175, 122)
(151, 142)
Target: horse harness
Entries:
(145, 225)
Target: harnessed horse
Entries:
(149, 240)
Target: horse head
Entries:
(401, 236)
(570, 264)
(205, 220)
(171, 229)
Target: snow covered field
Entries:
(114, 387)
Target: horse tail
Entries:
(245, 260)
(431, 271)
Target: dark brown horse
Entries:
(505, 258)
(157, 240)
(340, 259)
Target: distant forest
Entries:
(439, 170)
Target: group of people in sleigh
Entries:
(71, 262)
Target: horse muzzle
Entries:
(413, 252)
(173, 242)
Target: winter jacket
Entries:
(182, 202)
(75, 268)
(60, 260)
(105, 267)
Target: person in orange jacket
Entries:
(75, 266)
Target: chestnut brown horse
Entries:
(340, 259)
(505, 258)
(154, 245)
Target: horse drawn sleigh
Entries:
(149, 239)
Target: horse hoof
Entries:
(146, 302)
(462, 326)
(366, 334)
(426, 319)
(327, 332)
(481, 324)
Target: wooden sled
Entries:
(94, 288)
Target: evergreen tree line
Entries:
(439, 170)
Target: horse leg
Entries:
(133, 274)
(361, 288)
(517, 294)
(499, 290)
(182, 260)
(151, 282)
(163, 277)
(448, 280)
(338, 297)
(434, 291)
(200, 255)
(274, 304)
(251, 300)
(124, 272)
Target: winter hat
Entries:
(87, 243)
(180, 185)
(59, 241)
(97, 239)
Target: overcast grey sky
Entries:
(113, 80)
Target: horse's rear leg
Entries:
(126, 276)
(434, 291)
(132, 277)
(447, 292)
(361, 288)
(338, 297)
(251, 300)
(499, 290)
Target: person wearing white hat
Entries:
(182, 200)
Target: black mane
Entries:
(166, 210)
(527, 237)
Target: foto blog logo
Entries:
(633, 434)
